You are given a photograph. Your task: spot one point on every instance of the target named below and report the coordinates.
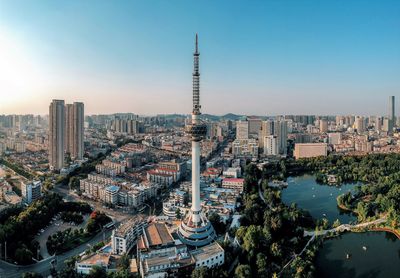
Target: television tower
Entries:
(196, 230)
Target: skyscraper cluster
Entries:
(66, 133)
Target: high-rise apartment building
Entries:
(56, 134)
(323, 126)
(242, 129)
(254, 126)
(271, 145)
(74, 130)
(387, 125)
(267, 128)
(281, 132)
(359, 124)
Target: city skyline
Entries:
(287, 57)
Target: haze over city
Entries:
(278, 57)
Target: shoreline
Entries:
(385, 229)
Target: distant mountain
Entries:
(230, 116)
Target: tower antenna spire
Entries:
(197, 44)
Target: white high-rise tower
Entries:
(196, 230)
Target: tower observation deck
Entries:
(195, 230)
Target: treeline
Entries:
(17, 169)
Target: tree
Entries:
(336, 223)
(97, 272)
(200, 272)
(218, 225)
(178, 213)
(252, 238)
(23, 255)
(243, 271)
(276, 250)
(262, 265)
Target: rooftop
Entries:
(157, 234)
(202, 253)
(124, 227)
(233, 180)
(96, 259)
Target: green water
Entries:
(319, 200)
(381, 259)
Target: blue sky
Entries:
(257, 57)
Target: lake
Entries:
(319, 200)
(381, 259)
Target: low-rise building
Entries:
(310, 150)
(31, 191)
(104, 260)
(209, 256)
(232, 172)
(233, 183)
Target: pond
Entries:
(381, 258)
(319, 200)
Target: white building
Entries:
(232, 172)
(209, 256)
(242, 129)
(31, 191)
(125, 236)
(271, 145)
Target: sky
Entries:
(266, 57)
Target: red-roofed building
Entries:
(233, 183)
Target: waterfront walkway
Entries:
(341, 228)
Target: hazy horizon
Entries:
(286, 57)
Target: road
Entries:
(43, 267)
(8, 270)
(117, 215)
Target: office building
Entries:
(392, 115)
